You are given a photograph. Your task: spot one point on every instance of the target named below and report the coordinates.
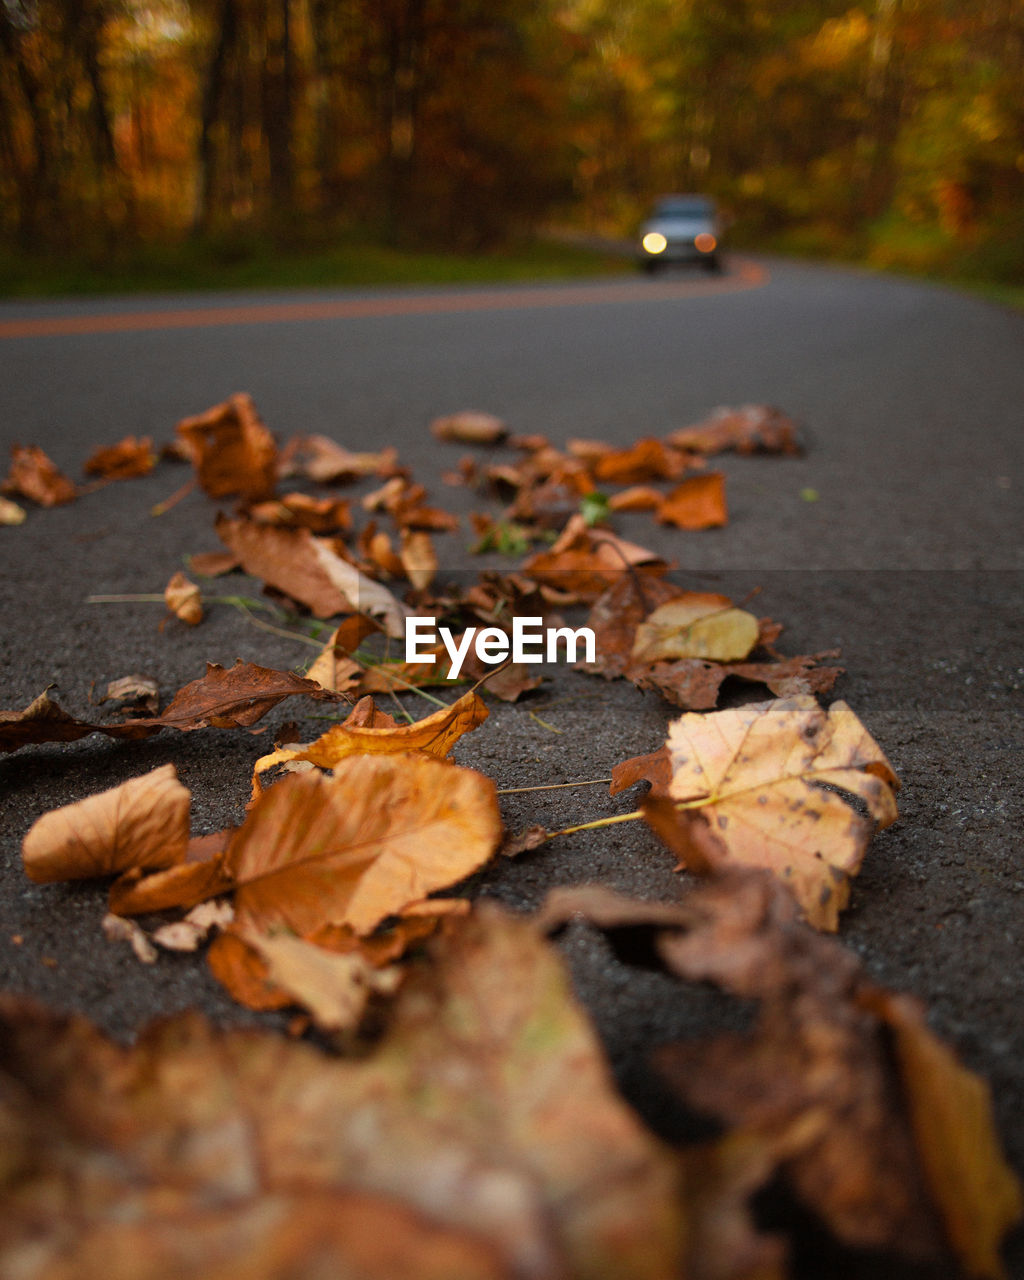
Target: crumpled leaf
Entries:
(697, 503)
(480, 1139)
(139, 693)
(873, 1142)
(128, 458)
(184, 600)
(141, 823)
(585, 561)
(34, 475)
(189, 933)
(298, 510)
(469, 427)
(642, 461)
(435, 734)
(753, 428)
(751, 780)
(324, 460)
(418, 557)
(231, 449)
(118, 929)
(695, 685)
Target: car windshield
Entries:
(683, 207)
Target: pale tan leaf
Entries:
(696, 625)
(141, 823)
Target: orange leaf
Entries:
(122, 461)
(35, 476)
(233, 452)
(383, 832)
(141, 823)
(436, 735)
(754, 428)
(469, 427)
(697, 503)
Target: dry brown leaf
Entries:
(44, 720)
(617, 613)
(979, 1196)
(325, 461)
(872, 1142)
(435, 734)
(141, 694)
(335, 988)
(35, 476)
(754, 428)
(639, 497)
(695, 685)
(285, 559)
(469, 427)
(697, 503)
(141, 823)
(128, 458)
(299, 511)
(211, 564)
(238, 1154)
(586, 561)
(751, 782)
(231, 449)
(118, 929)
(234, 697)
(183, 599)
(383, 832)
(418, 557)
(645, 460)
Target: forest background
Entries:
(890, 132)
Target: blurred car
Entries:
(681, 229)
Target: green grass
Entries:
(240, 264)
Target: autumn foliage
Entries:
(453, 1114)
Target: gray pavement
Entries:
(910, 561)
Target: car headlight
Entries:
(654, 242)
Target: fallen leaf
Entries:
(231, 449)
(695, 625)
(655, 768)
(128, 458)
(298, 510)
(183, 599)
(695, 685)
(480, 1138)
(44, 720)
(286, 560)
(35, 476)
(697, 503)
(586, 561)
(642, 461)
(118, 929)
(749, 786)
(234, 697)
(211, 564)
(978, 1194)
(435, 735)
(754, 428)
(140, 694)
(524, 841)
(189, 934)
(636, 498)
(325, 461)
(617, 613)
(872, 1142)
(419, 559)
(10, 513)
(334, 988)
(141, 823)
(469, 427)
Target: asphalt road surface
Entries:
(909, 560)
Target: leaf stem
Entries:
(598, 822)
(552, 786)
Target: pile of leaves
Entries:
(455, 1115)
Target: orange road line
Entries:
(745, 275)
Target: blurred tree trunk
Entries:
(212, 112)
(277, 108)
